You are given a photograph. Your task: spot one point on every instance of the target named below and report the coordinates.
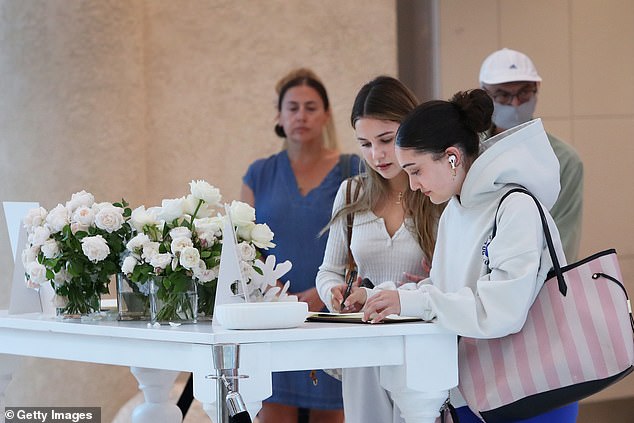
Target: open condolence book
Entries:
(356, 318)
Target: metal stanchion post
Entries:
(229, 403)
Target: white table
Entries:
(421, 356)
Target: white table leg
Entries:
(8, 365)
(156, 385)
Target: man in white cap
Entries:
(512, 81)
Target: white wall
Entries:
(136, 98)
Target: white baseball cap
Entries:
(507, 65)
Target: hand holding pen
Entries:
(352, 277)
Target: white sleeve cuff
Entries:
(416, 303)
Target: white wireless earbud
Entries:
(452, 161)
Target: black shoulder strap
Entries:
(549, 240)
(351, 198)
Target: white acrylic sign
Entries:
(229, 271)
(23, 299)
(14, 212)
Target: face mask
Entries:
(506, 116)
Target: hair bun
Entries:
(476, 108)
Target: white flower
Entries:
(206, 192)
(246, 251)
(34, 217)
(141, 217)
(243, 232)
(109, 218)
(76, 227)
(37, 273)
(50, 249)
(209, 224)
(137, 242)
(161, 260)
(84, 216)
(128, 265)
(203, 274)
(171, 209)
(207, 239)
(261, 235)
(150, 249)
(179, 244)
(247, 269)
(190, 204)
(180, 232)
(98, 206)
(241, 213)
(58, 218)
(189, 257)
(39, 235)
(95, 248)
(29, 255)
(78, 199)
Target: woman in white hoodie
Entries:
(477, 287)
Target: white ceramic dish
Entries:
(265, 315)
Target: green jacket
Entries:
(567, 211)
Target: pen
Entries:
(351, 278)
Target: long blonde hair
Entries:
(305, 76)
(386, 98)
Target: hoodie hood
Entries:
(521, 156)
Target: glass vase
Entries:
(76, 299)
(173, 303)
(206, 300)
(133, 300)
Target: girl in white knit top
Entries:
(393, 232)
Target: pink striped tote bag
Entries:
(577, 340)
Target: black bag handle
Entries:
(563, 288)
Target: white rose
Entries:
(83, 215)
(109, 218)
(241, 213)
(76, 227)
(161, 260)
(203, 274)
(247, 269)
(246, 251)
(95, 248)
(50, 249)
(207, 239)
(190, 204)
(78, 199)
(179, 244)
(180, 232)
(34, 217)
(37, 273)
(209, 224)
(141, 217)
(128, 265)
(58, 218)
(206, 192)
(171, 209)
(150, 249)
(244, 232)
(39, 235)
(98, 206)
(29, 255)
(137, 242)
(261, 235)
(189, 257)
